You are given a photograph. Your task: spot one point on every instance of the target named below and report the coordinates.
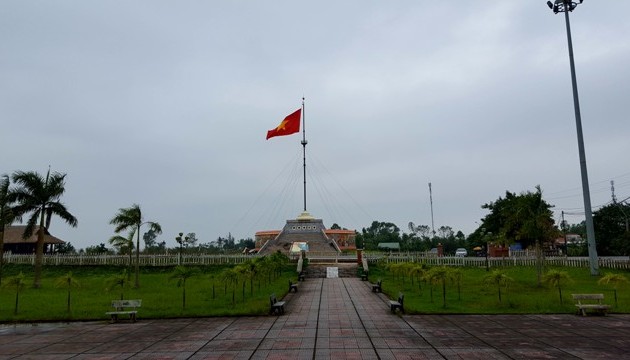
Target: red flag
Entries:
(290, 125)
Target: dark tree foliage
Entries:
(611, 230)
(379, 232)
(524, 218)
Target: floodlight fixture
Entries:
(563, 5)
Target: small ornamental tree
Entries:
(181, 274)
(556, 278)
(615, 280)
(16, 282)
(499, 279)
(120, 280)
(67, 281)
(440, 275)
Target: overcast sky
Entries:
(167, 104)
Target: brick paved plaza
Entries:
(328, 319)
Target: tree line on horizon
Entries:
(524, 218)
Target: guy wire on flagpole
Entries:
(304, 142)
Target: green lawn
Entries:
(161, 297)
(522, 296)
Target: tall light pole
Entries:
(567, 6)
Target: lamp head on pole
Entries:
(563, 5)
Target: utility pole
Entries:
(431, 201)
(564, 232)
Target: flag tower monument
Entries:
(305, 233)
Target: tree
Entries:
(16, 282)
(379, 232)
(69, 282)
(181, 274)
(555, 278)
(423, 231)
(230, 277)
(457, 275)
(124, 245)
(118, 280)
(99, 249)
(612, 229)
(40, 197)
(131, 219)
(149, 238)
(65, 248)
(499, 279)
(184, 242)
(6, 215)
(615, 279)
(440, 275)
(525, 218)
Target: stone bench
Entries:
(275, 306)
(124, 307)
(398, 305)
(584, 302)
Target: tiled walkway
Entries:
(329, 319)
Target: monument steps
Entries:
(315, 271)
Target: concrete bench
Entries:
(584, 302)
(124, 307)
(398, 305)
(275, 306)
(293, 286)
(377, 287)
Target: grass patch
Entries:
(161, 297)
(476, 296)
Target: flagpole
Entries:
(304, 142)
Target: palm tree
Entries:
(40, 197)
(555, 278)
(457, 275)
(230, 276)
(417, 272)
(498, 278)
(131, 219)
(615, 279)
(17, 282)
(181, 274)
(124, 245)
(440, 275)
(69, 282)
(118, 280)
(6, 216)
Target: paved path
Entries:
(329, 319)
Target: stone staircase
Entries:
(314, 271)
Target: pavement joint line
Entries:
(319, 309)
(555, 347)
(216, 335)
(262, 339)
(361, 320)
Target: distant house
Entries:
(14, 243)
(389, 246)
(570, 239)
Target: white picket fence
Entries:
(612, 262)
(123, 260)
(371, 257)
